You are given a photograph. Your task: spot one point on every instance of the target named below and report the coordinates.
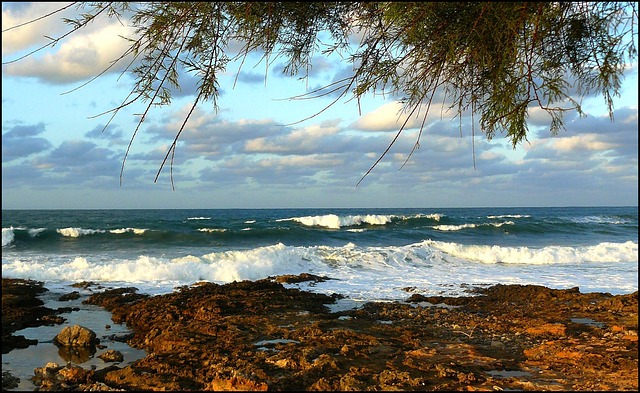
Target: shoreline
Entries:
(260, 335)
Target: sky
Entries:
(261, 149)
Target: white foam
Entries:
(334, 221)
(212, 230)
(433, 216)
(77, 232)
(7, 236)
(33, 232)
(453, 227)
(464, 226)
(603, 252)
(365, 273)
(137, 231)
(256, 263)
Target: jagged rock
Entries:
(262, 336)
(69, 296)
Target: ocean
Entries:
(368, 254)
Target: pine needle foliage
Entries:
(494, 60)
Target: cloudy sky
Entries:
(256, 152)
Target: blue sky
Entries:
(250, 154)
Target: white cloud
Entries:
(317, 161)
(391, 116)
(31, 34)
(83, 55)
(587, 142)
(305, 139)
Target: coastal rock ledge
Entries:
(261, 335)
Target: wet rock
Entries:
(76, 336)
(46, 375)
(292, 279)
(262, 336)
(53, 377)
(69, 296)
(21, 308)
(111, 356)
(9, 381)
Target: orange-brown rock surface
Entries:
(262, 336)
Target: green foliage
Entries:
(495, 60)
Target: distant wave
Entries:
(212, 230)
(334, 221)
(598, 220)
(510, 216)
(198, 218)
(33, 232)
(77, 232)
(136, 231)
(432, 216)
(464, 226)
(8, 234)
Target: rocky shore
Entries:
(261, 335)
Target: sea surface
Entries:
(369, 254)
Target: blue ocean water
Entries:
(369, 254)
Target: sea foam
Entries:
(361, 272)
(334, 221)
(7, 236)
(466, 226)
(77, 232)
(603, 252)
(137, 231)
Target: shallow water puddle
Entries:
(588, 322)
(22, 362)
(508, 373)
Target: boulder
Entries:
(76, 336)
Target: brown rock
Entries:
(21, 308)
(555, 329)
(76, 336)
(111, 356)
(237, 384)
(262, 336)
(74, 374)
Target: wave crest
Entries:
(7, 236)
(334, 221)
(603, 252)
(464, 226)
(136, 231)
(77, 232)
